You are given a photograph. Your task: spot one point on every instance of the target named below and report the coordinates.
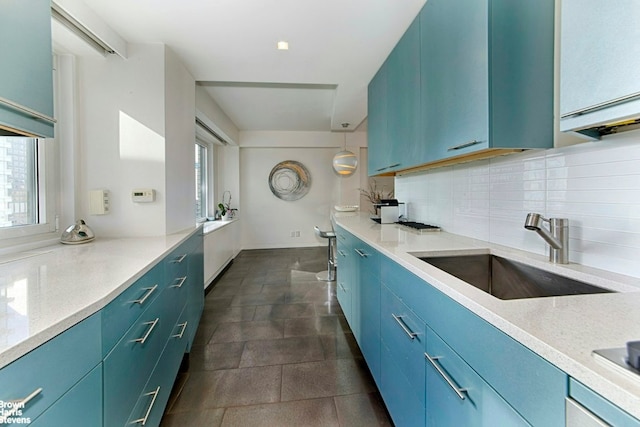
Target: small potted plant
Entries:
(224, 211)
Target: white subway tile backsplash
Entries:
(596, 185)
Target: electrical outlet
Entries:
(298, 233)
(292, 234)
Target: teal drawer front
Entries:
(600, 406)
(457, 395)
(369, 258)
(370, 330)
(403, 334)
(195, 286)
(533, 386)
(128, 366)
(155, 394)
(122, 312)
(79, 407)
(54, 367)
(176, 263)
(404, 406)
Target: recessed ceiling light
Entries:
(283, 45)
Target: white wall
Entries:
(268, 221)
(180, 110)
(136, 130)
(596, 185)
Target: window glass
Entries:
(18, 182)
(201, 174)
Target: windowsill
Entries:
(211, 226)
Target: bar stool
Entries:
(330, 274)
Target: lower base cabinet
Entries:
(457, 395)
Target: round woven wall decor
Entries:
(289, 180)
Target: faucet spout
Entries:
(557, 236)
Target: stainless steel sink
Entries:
(507, 279)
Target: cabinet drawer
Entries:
(155, 394)
(457, 395)
(79, 407)
(403, 334)
(369, 258)
(122, 312)
(128, 366)
(600, 406)
(404, 406)
(53, 368)
(176, 263)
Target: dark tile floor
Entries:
(273, 349)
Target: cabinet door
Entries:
(195, 299)
(345, 276)
(26, 77)
(379, 149)
(599, 61)
(599, 406)
(79, 407)
(403, 101)
(457, 396)
(455, 79)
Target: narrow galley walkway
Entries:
(273, 349)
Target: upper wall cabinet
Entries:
(600, 61)
(394, 107)
(26, 75)
(485, 86)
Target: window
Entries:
(202, 174)
(23, 190)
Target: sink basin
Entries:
(507, 279)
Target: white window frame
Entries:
(209, 170)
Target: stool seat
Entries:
(330, 274)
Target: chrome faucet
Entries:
(557, 236)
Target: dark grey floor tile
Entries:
(229, 314)
(213, 357)
(204, 333)
(327, 325)
(284, 311)
(205, 418)
(307, 413)
(211, 303)
(341, 346)
(327, 378)
(281, 351)
(232, 387)
(245, 331)
(311, 294)
(328, 308)
(259, 299)
(362, 410)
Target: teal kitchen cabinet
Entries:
(44, 375)
(79, 407)
(487, 75)
(583, 401)
(26, 77)
(402, 371)
(367, 309)
(379, 148)
(532, 386)
(599, 82)
(345, 278)
(394, 107)
(195, 299)
(457, 396)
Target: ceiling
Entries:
(229, 46)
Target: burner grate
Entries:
(418, 225)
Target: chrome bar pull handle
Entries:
(464, 145)
(395, 165)
(184, 328)
(18, 405)
(342, 287)
(362, 254)
(434, 362)
(146, 295)
(179, 260)
(146, 335)
(412, 335)
(26, 110)
(341, 253)
(142, 421)
(180, 283)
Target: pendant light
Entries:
(345, 162)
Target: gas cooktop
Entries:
(418, 226)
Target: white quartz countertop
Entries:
(563, 330)
(43, 292)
